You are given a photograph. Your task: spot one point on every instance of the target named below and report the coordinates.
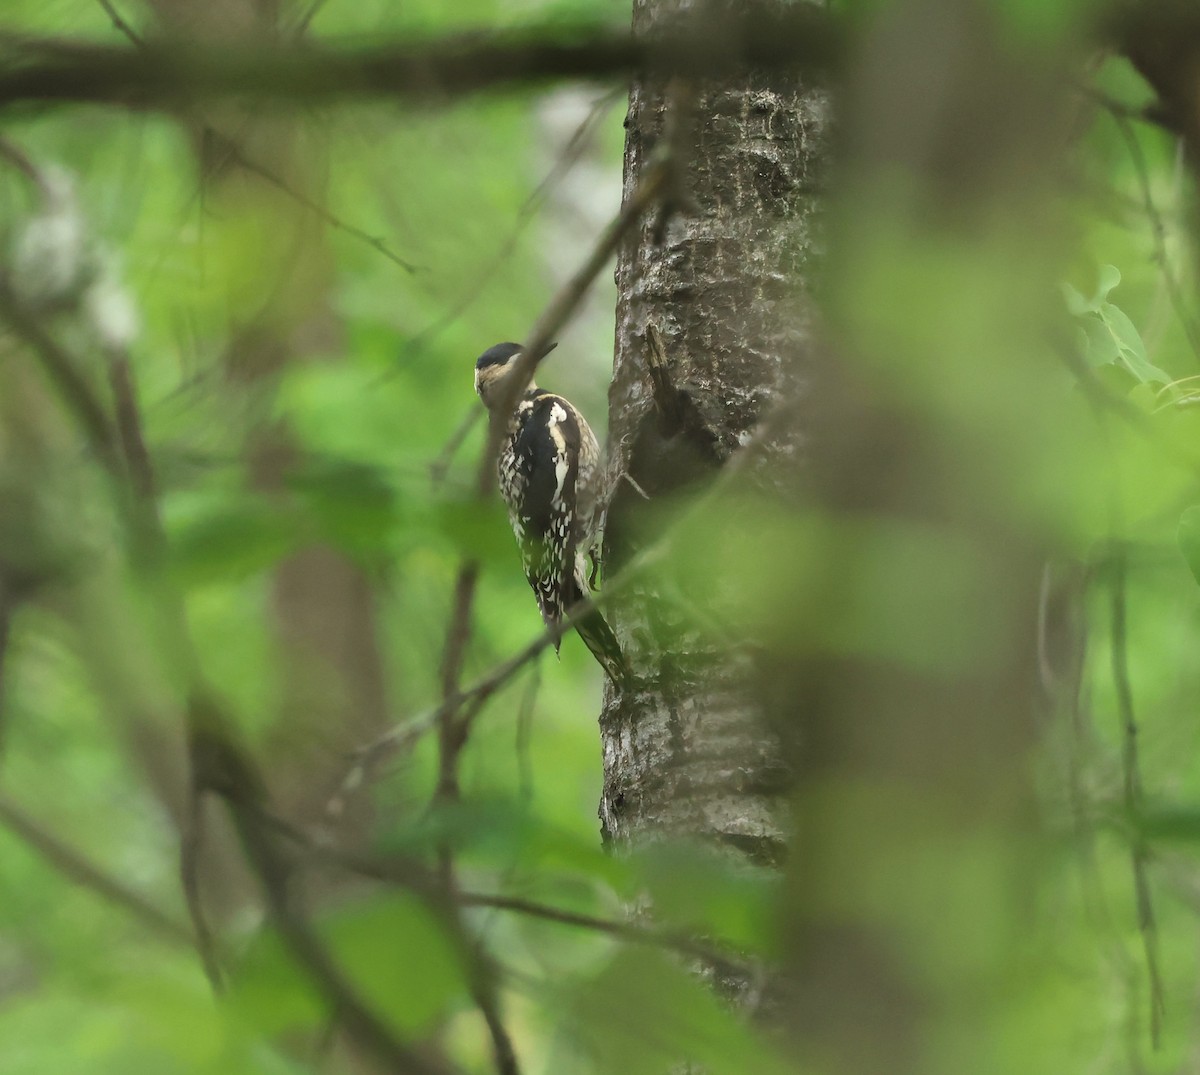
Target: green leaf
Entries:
(228, 540)
(397, 954)
(1110, 276)
(1097, 343)
(392, 949)
(1188, 536)
(1109, 336)
(1076, 303)
(1129, 344)
(1174, 823)
(645, 1014)
(352, 504)
(698, 889)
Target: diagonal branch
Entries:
(219, 764)
(119, 22)
(76, 867)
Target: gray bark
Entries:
(720, 273)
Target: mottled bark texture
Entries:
(720, 275)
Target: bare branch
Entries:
(334, 221)
(1157, 228)
(410, 874)
(1132, 784)
(119, 23)
(576, 145)
(559, 311)
(305, 20)
(164, 75)
(18, 159)
(69, 381)
(191, 837)
(75, 866)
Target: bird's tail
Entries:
(599, 638)
(597, 635)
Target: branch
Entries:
(70, 383)
(237, 155)
(561, 307)
(575, 147)
(1157, 228)
(163, 75)
(119, 23)
(408, 873)
(360, 1022)
(73, 865)
(218, 763)
(477, 694)
(1132, 790)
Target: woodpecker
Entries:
(550, 478)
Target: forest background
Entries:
(245, 569)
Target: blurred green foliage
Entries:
(456, 192)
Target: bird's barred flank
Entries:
(549, 474)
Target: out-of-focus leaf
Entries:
(1179, 823)
(697, 889)
(1109, 277)
(645, 1014)
(228, 539)
(476, 529)
(1129, 343)
(352, 505)
(1076, 303)
(500, 833)
(1188, 535)
(391, 947)
(1098, 345)
(270, 991)
(398, 955)
(1108, 335)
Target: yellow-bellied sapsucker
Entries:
(550, 477)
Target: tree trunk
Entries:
(887, 682)
(719, 274)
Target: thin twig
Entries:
(75, 866)
(359, 1021)
(557, 313)
(119, 23)
(191, 838)
(305, 20)
(675, 940)
(1132, 789)
(334, 221)
(20, 160)
(65, 372)
(452, 737)
(472, 699)
(218, 763)
(1157, 228)
(440, 467)
(235, 153)
(414, 345)
(410, 874)
(525, 733)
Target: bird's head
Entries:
(493, 367)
